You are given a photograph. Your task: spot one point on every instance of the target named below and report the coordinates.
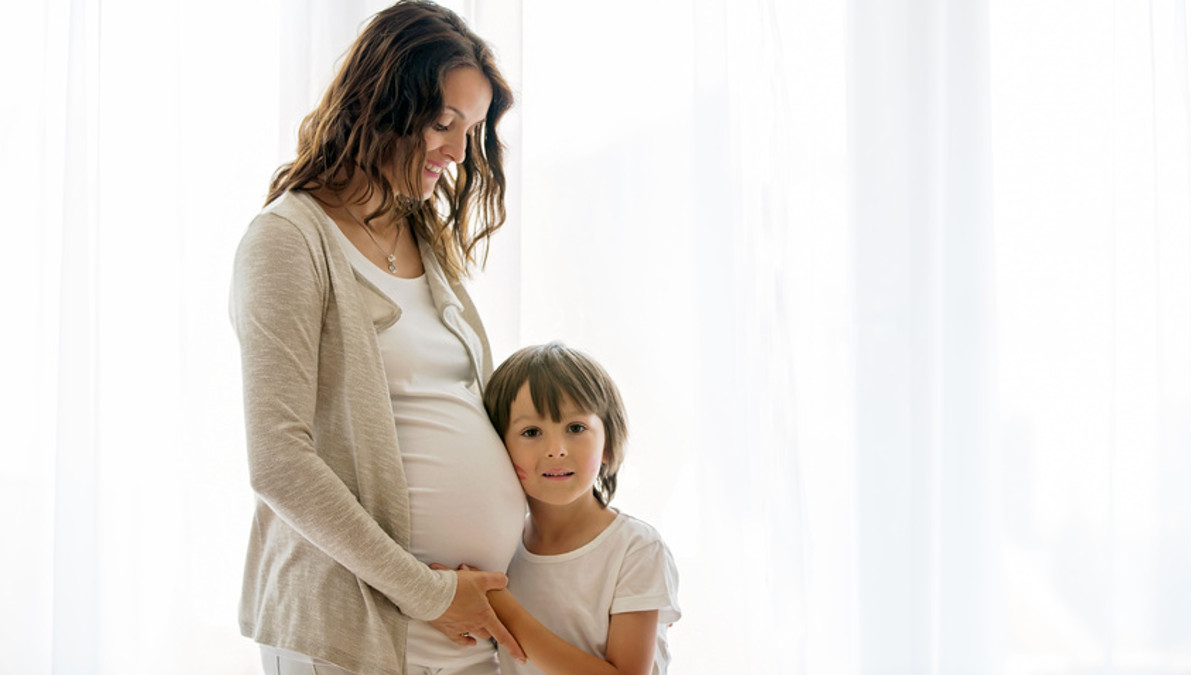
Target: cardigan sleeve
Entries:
(278, 303)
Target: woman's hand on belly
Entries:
(471, 613)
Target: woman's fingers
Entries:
(471, 613)
(457, 637)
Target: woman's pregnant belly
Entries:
(465, 502)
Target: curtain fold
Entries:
(922, 270)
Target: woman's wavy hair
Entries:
(388, 90)
(557, 374)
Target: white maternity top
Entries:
(465, 501)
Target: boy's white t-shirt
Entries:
(626, 568)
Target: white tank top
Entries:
(465, 502)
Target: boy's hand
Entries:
(470, 613)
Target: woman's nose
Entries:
(456, 149)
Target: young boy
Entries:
(590, 590)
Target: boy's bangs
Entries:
(555, 383)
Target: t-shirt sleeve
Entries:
(648, 580)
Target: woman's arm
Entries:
(278, 303)
(631, 641)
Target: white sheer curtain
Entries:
(1095, 251)
(899, 295)
(138, 137)
(899, 292)
(686, 219)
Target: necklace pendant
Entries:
(391, 264)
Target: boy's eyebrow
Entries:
(514, 420)
(564, 413)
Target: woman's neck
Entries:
(358, 198)
(376, 239)
(552, 529)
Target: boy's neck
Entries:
(554, 530)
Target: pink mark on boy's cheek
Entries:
(593, 467)
(521, 475)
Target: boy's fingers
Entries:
(505, 639)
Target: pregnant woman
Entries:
(363, 360)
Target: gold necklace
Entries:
(391, 257)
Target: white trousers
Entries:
(284, 662)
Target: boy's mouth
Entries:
(558, 474)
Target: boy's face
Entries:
(556, 462)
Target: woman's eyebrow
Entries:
(460, 113)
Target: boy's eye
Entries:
(531, 432)
(576, 428)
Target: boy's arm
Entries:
(631, 641)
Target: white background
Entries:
(899, 296)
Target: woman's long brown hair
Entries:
(388, 90)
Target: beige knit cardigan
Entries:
(327, 570)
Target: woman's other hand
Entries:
(470, 614)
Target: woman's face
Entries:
(466, 95)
